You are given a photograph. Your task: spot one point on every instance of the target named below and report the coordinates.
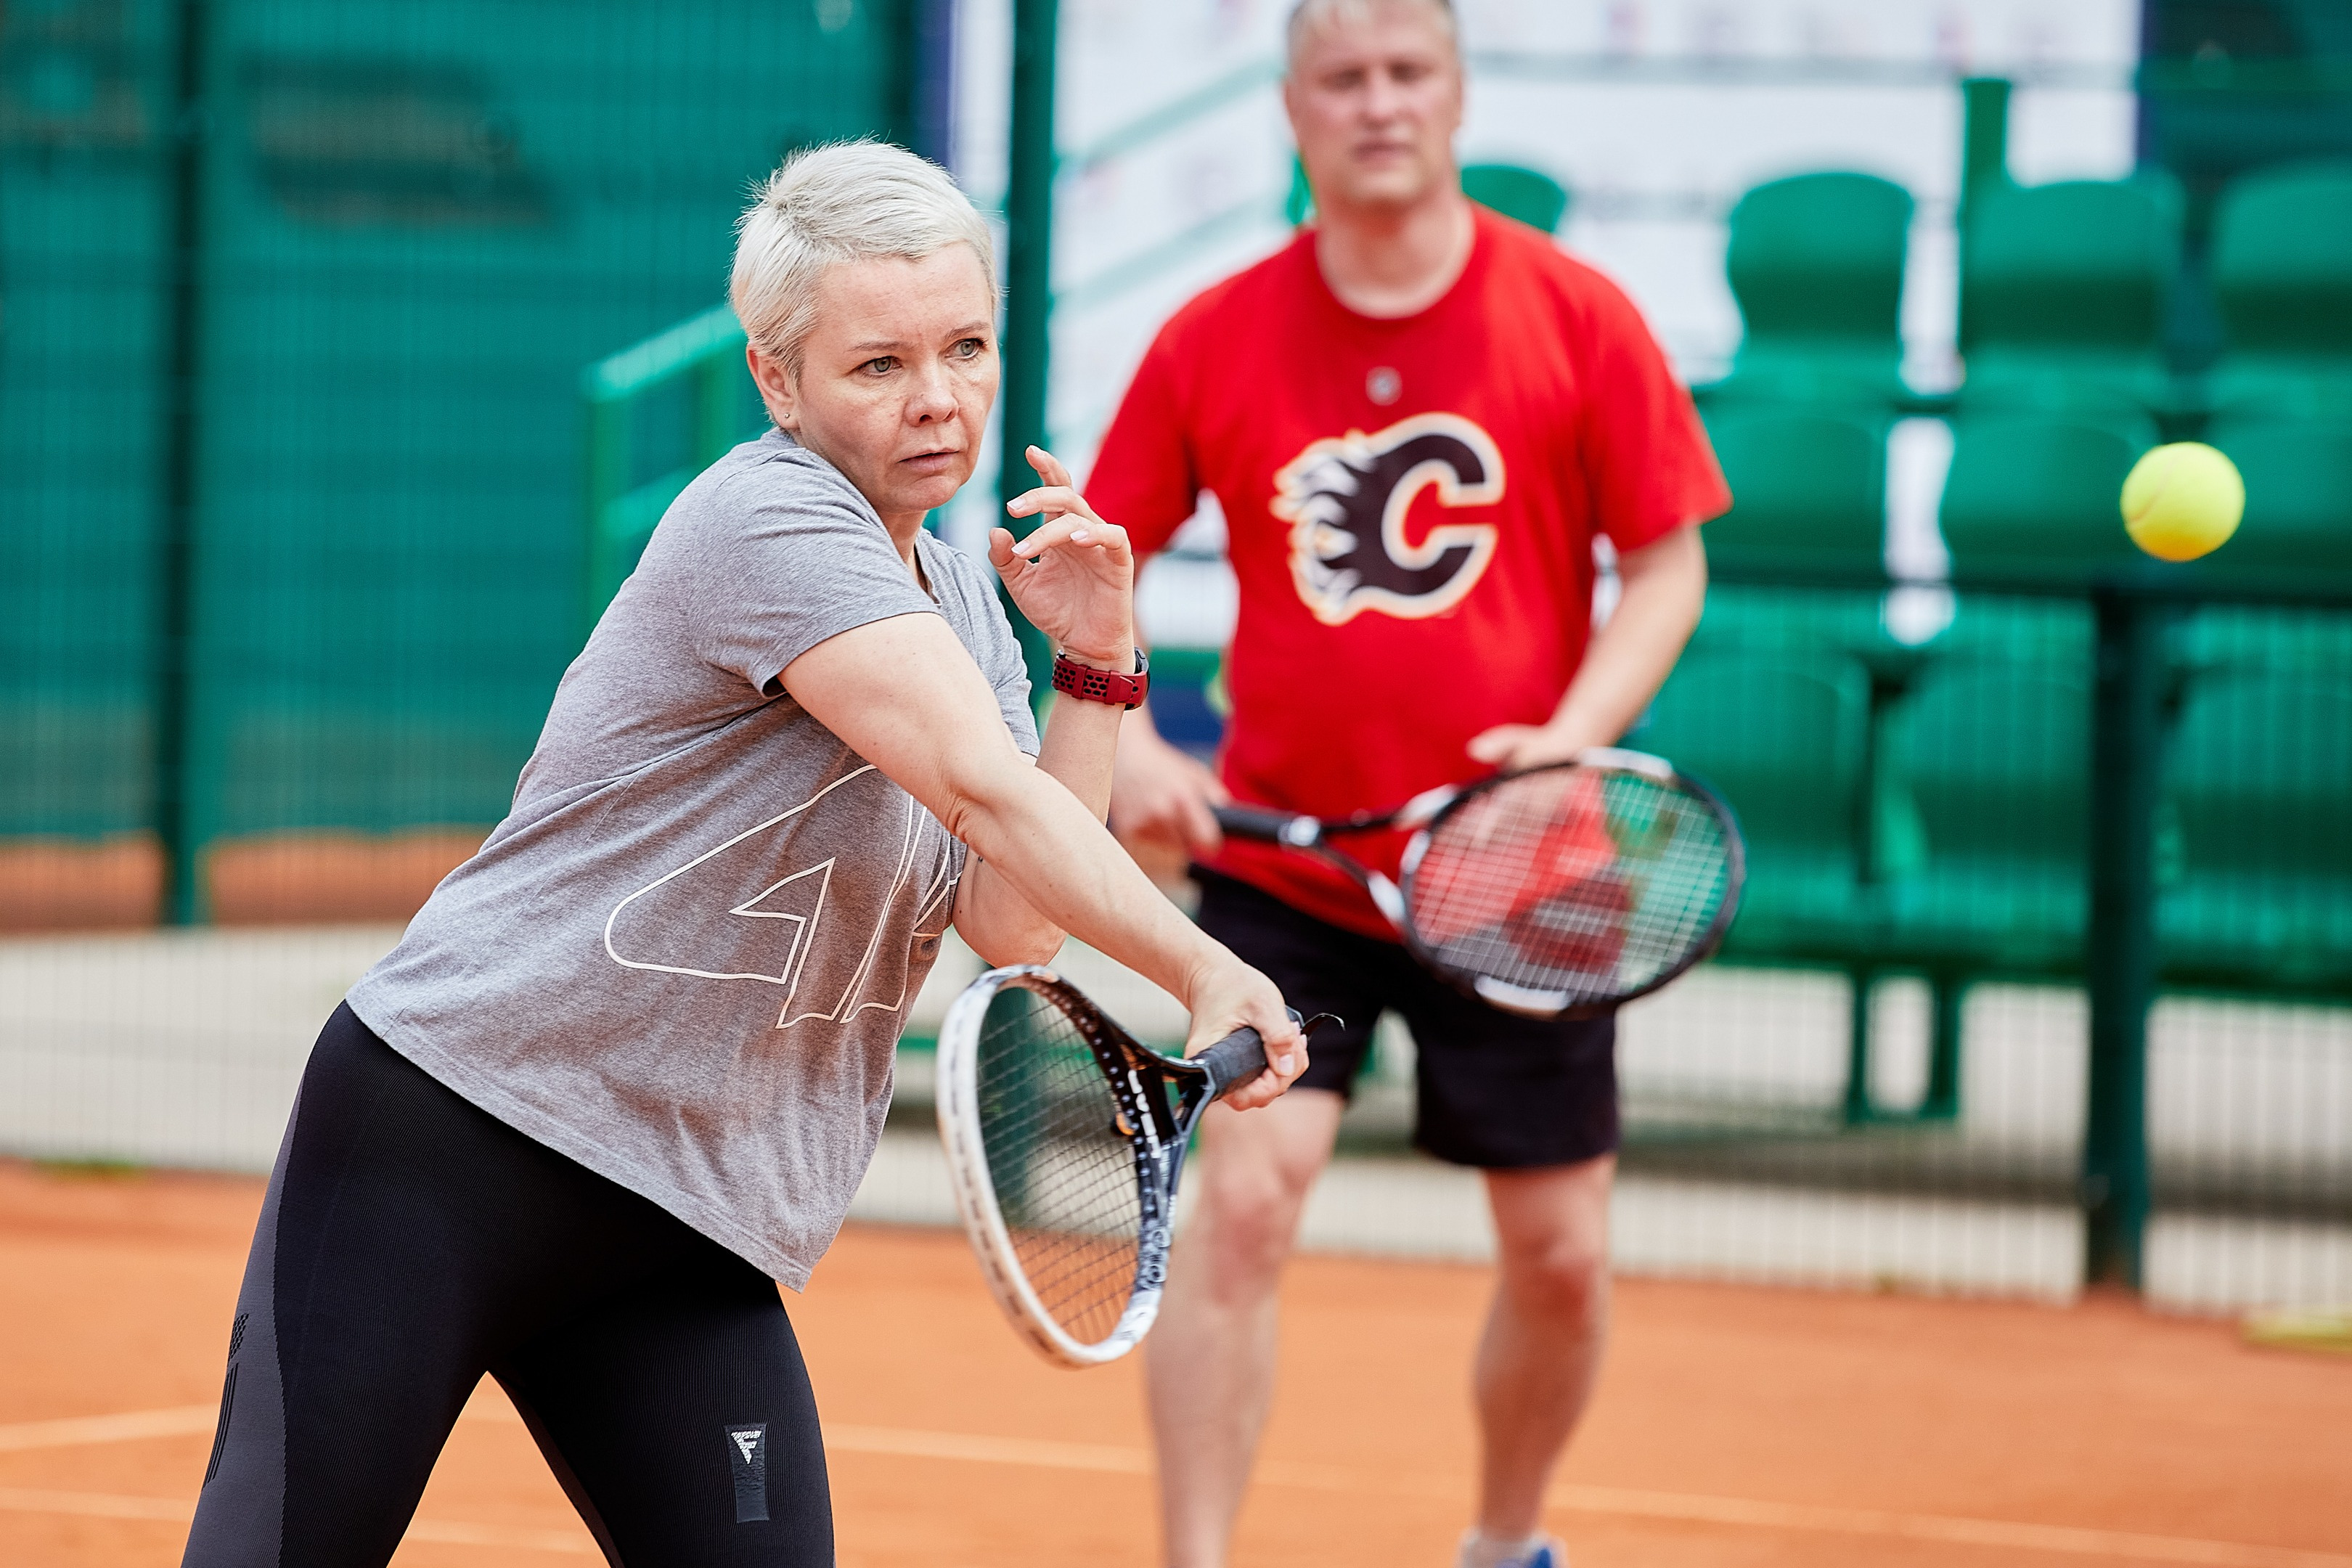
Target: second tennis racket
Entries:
(1560, 891)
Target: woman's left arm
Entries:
(1081, 593)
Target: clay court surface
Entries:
(1737, 1426)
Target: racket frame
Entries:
(1158, 1136)
(1426, 812)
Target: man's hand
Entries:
(1162, 793)
(1514, 747)
(1228, 995)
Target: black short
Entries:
(1496, 1091)
(411, 1243)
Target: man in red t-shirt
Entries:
(1418, 418)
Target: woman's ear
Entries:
(775, 385)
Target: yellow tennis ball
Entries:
(2183, 500)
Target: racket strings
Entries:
(1063, 1168)
(1577, 881)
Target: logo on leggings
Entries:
(748, 1439)
(1346, 500)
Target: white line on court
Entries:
(1106, 1458)
(179, 1510)
(76, 1431)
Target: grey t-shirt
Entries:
(684, 959)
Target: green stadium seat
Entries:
(2259, 787)
(1991, 771)
(2034, 500)
(2297, 530)
(2283, 279)
(1808, 488)
(1809, 496)
(1531, 196)
(1783, 738)
(1743, 620)
(1534, 199)
(1815, 262)
(2063, 292)
(2007, 628)
(2036, 496)
(2298, 497)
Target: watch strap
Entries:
(1088, 684)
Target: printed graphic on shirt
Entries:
(1346, 500)
(779, 876)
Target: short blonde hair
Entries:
(846, 201)
(1308, 15)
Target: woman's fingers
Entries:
(1049, 467)
(1051, 500)
(1073, 528)
(1286, 1058)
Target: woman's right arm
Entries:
(904, 695)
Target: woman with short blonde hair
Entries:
(627, 1067)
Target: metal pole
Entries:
(1984, 137)
(177, 831)
(931, 115)
(1028, 277)
(1984, 163)
(2126, 760)
(1858, 1108)
(1948, 996)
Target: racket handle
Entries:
(1233, 1062)
(1261, 823)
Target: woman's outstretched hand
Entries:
(1073, 577)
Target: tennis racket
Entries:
(1065, 1137)
(1560, 891)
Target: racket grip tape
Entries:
(1233, 1062)
(1261, 823)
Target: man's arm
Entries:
(1161, 792)
(1665, 590)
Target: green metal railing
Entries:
(708, 351)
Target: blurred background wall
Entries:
(349, 350)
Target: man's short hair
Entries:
(1306, 15)
(846, 201)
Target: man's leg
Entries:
(1541, 1354)
(1210, 1359)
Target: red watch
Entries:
(1091, 685)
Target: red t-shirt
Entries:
(1411, 507)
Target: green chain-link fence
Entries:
(296, 299)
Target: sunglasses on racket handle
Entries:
(1064, 1138)
(1561, 892)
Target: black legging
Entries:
(409, 1244)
